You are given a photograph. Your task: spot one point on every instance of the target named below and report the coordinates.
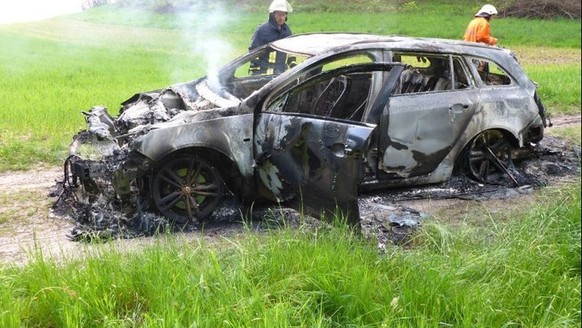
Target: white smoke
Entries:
(202, 30)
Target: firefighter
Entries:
(274, 29)
(479, 29)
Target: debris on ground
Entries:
(381, 215)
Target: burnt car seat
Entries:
(332, 96)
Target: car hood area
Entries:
(177, 104)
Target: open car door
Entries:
(310, 142)
(314, 161)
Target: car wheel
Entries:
(186, 188)
(488, 157)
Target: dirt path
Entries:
(564, 121)
(23, 195)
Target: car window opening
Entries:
(342, 97)
(490, 73)
(426, 73)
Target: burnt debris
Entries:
(381, 216)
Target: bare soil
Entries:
(28, 228)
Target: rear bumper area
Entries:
(533, 133)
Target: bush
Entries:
(544, 9)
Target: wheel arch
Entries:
(231, 136)
(225, 165)
(507, 134)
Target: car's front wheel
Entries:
(186, 188)
(488, 157)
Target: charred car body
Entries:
(349, 112)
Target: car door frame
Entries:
(315, 161)
(408, 148)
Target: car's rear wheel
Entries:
(186, 188)
(488, 157)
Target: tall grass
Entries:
(559, 80)
(523, 271)
(48, 83)
(52, 70)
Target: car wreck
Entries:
(330, 115)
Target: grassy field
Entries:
(513, 269)
(494, 269)
(52, 70)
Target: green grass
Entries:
(572, 134)
(422, 18)
(557, 88)
(519, 270)
(493, 269)
(52, 70)
(48, 83)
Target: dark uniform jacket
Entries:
(265, 33)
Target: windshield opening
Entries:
(252, 71)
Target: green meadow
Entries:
(502, 269)
(52, 70)
(515, 264)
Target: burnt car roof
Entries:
(312, 44)
(323, 44)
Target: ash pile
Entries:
(551, 162)
(382, 218)
(548, 163)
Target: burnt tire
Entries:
(186, 188)
(484, 156)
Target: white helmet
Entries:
(488, 10)
(280, 5)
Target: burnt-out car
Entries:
(329, 115)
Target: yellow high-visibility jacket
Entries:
(479, 30)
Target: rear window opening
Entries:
(490, 73)
(431, 73)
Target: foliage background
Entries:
(545, 9)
